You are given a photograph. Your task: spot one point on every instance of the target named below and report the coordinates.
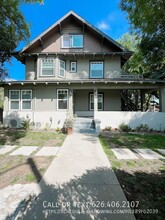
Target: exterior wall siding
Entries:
(112, 68)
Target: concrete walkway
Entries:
(79, 185)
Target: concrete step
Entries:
(84, 125)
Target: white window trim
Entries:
(101, 62)
(26, 100)
(62, 61)
(59, 99)
(97, 101)
(71, 41)
(75, 63)
(50, 58)
(18, 100)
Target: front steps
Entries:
(84, 125)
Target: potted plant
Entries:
(68, 125)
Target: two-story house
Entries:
(74, 68)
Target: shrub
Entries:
(125, 128)
(26, 124)
(143, 127)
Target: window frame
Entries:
(67, 99)
(22, 100)
(92, 77)
(90, 95)
(59, 73)
(71, 41)
(53, 67)
(14, 100)
(71, 63)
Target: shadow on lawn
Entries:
(11, 136)
(66, 201)
(62, 201)
(147, 188)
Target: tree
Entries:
(135, 64)
(13, 29)
(147, 18)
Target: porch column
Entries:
(70, 103)
(162, 99)
(142, 95)
(95, 100)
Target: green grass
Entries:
(153, 141)
(21, 137)
(30, 178)
(141, 180)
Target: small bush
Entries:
(125, 128)
(143, 127)
(26, 124)
(108, 128)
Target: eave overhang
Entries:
(21, 56)
(96, 82)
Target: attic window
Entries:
(72, 41)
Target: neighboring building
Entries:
(73, 68)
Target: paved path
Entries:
(80, 185)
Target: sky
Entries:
(104, 15)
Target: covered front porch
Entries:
(104, 103)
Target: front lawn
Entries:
(20, 169)
(22, 137)
(141, 180)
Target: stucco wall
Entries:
(155, 120)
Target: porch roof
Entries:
(119, 81)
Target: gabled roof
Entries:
(76, 16)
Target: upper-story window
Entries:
(72, 41)
(73, 66)
(61, 68)
(47, 67)
(96, 69)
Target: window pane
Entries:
(62, 68)
(26, 95)
(14, 94)
(73, 67)
(62, 99)
(100, 98)
(47, 63)
(26, 105)
(47, 67)
(100, 105)
(66, 41)
(96, 70)
(14, 105)
(91, 98)
(47, 72)
(92, 106)
(77, 41)
(62, 96)
(62, 104)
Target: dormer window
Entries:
(72, 41)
